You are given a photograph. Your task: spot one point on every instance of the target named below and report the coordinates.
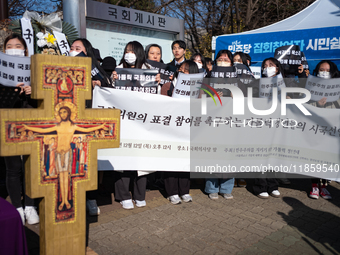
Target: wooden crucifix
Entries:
(61, 139)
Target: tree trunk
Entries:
(237, 12)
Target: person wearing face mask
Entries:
(15, 172)
(200, 62)
(224, 58)
(246, 77)
(187, 67)
(222, 186)
(134, 57)
(82, 45)
(271, 67)
(241, 58)
(263, 187)
(177, 184)
(327, 70)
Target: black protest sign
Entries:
(223, 72)
(163, 69)
(290, 58)
(244, 73)
(142, 80)
(95, 74)
(220, 85)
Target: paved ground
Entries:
(292, 224)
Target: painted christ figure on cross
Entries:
(61, 139)
(65, 132)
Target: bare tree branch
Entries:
(163, 5)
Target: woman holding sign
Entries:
(240, 58)
(15, 45)
(327, 70)
(263, 187)
(82, 47)
(270, 67)
(187, 67)
(177, 184)
(134, 57)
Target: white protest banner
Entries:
(293, 143)
(14, 70)
(320, 88)
(187, 85)
(28, 34)
(151, 131)
(174, 136)
(256, 70)
(64, 47)
(267, 85)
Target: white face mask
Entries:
(223, 63)
(269, 71)
(130, 58)
(74, 53)
(199, 65)
(324, 74)
(16, 52)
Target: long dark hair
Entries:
(333, 70)
(90, 53)
(137, 48)
(230, 56)
(277, 64)
(69, 112)
(191, 67)
(204, 64)
(15, 36)
(242, 56)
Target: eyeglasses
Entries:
(223, 59)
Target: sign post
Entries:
(109, 28)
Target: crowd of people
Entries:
(175, 184)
